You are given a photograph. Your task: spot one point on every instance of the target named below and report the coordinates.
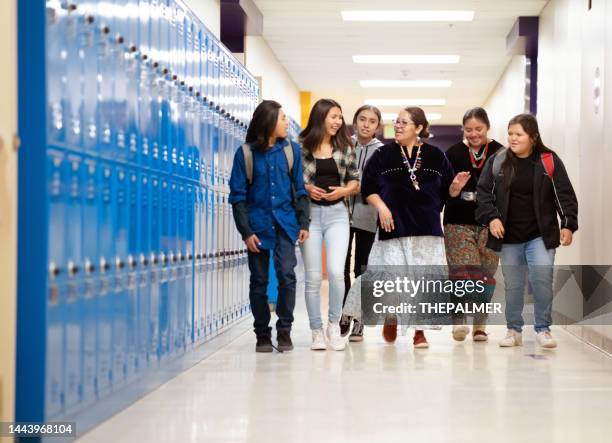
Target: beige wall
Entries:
(276, 84)
(209, 11)
(8, 205)
(573, 43)
(507, 98)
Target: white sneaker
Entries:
(336, 341)
(318, 340)
(460, 332)
(512, 338)
(545, 340)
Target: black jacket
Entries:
(554, 197)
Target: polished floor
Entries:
(376, 392)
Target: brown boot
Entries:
(390, 328)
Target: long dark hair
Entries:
(312, 136)
(530, 125)
(374, 109)
(263, 123)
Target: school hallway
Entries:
(150, 150)
(375, 391)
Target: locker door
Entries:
(180, 267)
(90, 199)
(61, 23)
(165, 87)
(133, 273)
(119, 285)
(157, 270)
(54, 383)
(107, 252)
(145, 286)
(211, 316)
(106, 79)
(74, 257)
(197, 256)
(165, 247)
(147, 124)
(91, 86)
(189, 254)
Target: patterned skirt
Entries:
(414, 253)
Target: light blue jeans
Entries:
(329, 224)
(528, 260)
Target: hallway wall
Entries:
(506, 100)
(573, 103)
(8, 206)
(276, 83)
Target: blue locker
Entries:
(54, 383)
(145, 287)
(173, 286)
(157, 271)
(91, 271)
(197, 257)
(91, 86)
(133, 276)
(107, 252)
(190, 243)
(119, 284)
(210, 259)
(181, 296)
(106, 76)
(73, 303)
(60, 25)
(165, 247)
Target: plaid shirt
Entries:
(345, 161)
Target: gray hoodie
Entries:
(363, 216)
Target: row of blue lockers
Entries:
(145, 109)
(139, 80)
(141, 268)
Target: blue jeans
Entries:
(284, 264)
(528, 260)
(329, 224)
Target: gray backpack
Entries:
(248, 160)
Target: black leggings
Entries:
(363, 245)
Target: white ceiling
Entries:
(316, 47)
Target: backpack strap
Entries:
(248, 162)
(289, 154)
(549, 164)
(498, 159)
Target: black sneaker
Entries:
(345, 325)
(283, 339)
(264, 344)
(357, 334)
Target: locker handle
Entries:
(89, 19)
(191, 89)
(119, 263)
(145, 56)
(174, 258)
(154, 259)
(165, 71)
(73, 269)
(72, 7)
(174, 77)
(198, 256)
(90, 268)
(119, 39)
(182, 82)
(143, 260)
(105, 30)
(155, 64)
(190, 257)
(54, 270)
(132, 48)
(182, 257)
(104, 265)
(131, 262)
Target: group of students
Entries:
(340, 191)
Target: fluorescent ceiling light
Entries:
(406, 59)
(389, 117)
(408, 16)
(405, 83)
(406, 102)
